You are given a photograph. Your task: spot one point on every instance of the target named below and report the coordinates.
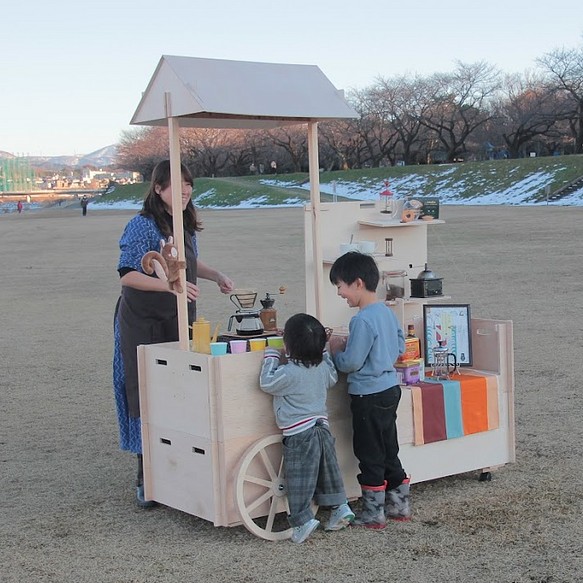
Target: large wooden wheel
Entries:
(260, 490)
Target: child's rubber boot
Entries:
(372, 514)
(398, 503)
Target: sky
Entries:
(72, 73)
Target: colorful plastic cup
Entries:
(238, 346)
(218, 348)
(275, 341)
(256, 344)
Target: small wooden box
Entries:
(409, 371)
(430, 206)
(426, 288)
(412, 350)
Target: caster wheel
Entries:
(485, 477)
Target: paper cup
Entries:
(346, 247)
(218, 348)
(256, 344)
(275, 341)
(368, 247)
(238, 346)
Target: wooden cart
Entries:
(210, 444)
(212, 449)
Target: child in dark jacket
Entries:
(299, 388)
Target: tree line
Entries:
(471, 113)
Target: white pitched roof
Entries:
(238, 94)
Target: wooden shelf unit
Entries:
(363, 221)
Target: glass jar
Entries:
(394, 282)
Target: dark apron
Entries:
(149, 318)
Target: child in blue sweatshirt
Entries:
(374, 342)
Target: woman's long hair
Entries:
(154, 207)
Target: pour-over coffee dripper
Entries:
(244, 299)
(246, 316)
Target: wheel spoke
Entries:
(268, 465)
(271, 515)
(264, 497)
(258, 481)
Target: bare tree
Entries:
(373, 126)
(142, 148)
(293, 140)
(398, 98)
(526, 109)
(340, 143)
(205, 150)
(456, 104)
(564, 68)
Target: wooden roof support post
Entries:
(314, 164)
(177, 219)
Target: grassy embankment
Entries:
(469, 179)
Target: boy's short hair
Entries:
(305, 339)
(354, 265)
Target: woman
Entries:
(146, 311)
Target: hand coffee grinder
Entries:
(268, 313)
(247, 318)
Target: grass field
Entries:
(469, 180)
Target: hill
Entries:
(525, 181)
(100, 159)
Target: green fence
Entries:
(16, 175)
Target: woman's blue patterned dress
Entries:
(150, 313)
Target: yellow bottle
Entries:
(201, 336)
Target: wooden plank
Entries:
(177, 391)
(180, 472)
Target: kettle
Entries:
(248, 323)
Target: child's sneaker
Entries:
(340, 517)
(302, 533)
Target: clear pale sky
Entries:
(72, 73)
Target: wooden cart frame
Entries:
(210, 444)
(212, 449)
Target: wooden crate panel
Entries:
(174, 388)
(179, 472)
(244, 409)
(405, 429)
(455, 456)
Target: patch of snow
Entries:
(520, 193)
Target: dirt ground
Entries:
(68, 512)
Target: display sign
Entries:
(448, 325)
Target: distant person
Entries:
(299, 388)
(374, 342)
(146, 312)
(84, 203)
(19, 206)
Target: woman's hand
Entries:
(192, 292)
(225, 284)
(204, 271)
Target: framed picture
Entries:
(450, 325)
